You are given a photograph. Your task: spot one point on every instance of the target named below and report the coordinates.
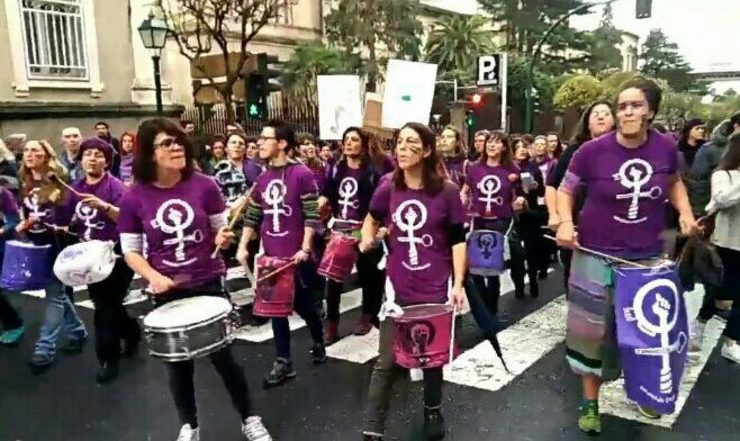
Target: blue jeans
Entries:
(61, 320)
(305, 306)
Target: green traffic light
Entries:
(253, 110)
(469, 122)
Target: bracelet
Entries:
(568, 221)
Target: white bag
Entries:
(85, 263)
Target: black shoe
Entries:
(434, 424)
(366, 437)
(282, 371)
(107, 373)
(318, 353)
(534, 289)
(73, 347)
(247, 317)
(519, 292)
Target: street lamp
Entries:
(153, 32)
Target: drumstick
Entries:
(607, 256)
(279, 270)
(452, 333)
(236, 216)
(54, 177)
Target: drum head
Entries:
(19, 244)
(187, 312)
(425, 311)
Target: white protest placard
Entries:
(340, 104)
(409, 91)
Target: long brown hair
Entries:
(731, 159)
(507, 156)
(433, 173)
(461, 150)
(48, 185)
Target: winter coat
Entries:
(698, 175)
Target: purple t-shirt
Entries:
(420, 260)
(177, 225)
(455, 170)
(8, 207)
(279, 192)
(348, 205)
(624, 211)
(94, 224)
(386, 165)
(42, 213)
(491, 189)
(546, 165)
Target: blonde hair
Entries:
(48, 185)
(5, 153)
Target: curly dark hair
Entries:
(144, 168)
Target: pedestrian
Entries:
(97, 213)
(41, 207)
(420, 187)
(216, 153)
(288, 234)
(725, 203)
(454, 153)
(350, 185)
(12, 324)
(103, 132)
(554, 145)
(692, 138)
(164, 169)
(479, 143)
(538, 213)
(311, 158)
(125, 171)
(634, 233)
(71, 139)
(8, 169)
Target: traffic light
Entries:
(644, 9)
(470, 118)
(476, 99)
(271, 75)
(260, 83)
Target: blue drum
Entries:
(486, 253)
(26, 267)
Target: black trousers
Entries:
(112, 322)
(181, 372)
(730, 290)
(372, 282)
(9, 318)
(539, 249)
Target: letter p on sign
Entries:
(488, 70)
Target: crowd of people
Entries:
(415, 206)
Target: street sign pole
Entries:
(504, 91)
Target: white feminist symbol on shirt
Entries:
(86, 214)
(489, 186)
(410, 216)
(274, 196)
(633, 175)
(174, 217)
(667, 318)
(34, 211)
(348, 190)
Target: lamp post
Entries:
(153, 33)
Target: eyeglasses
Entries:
(169, 144)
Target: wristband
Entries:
(567, 221)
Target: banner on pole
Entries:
(340, 104)
(409, 91)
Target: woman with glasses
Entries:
(166, 182)
(417, 190)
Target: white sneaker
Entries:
(254, 430)
(187, 433)
(731, 352)
(697, 336)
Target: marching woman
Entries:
(493, 191)
(96, 214)
(350, 185)
(454, 154)
(176, 213)
(596, 120)
(125, 169)
(313, 162)
(427, 248)
(284, 207)
(12, 324)
(41, 208)
(628, 227)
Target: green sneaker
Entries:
(589, 421)
(648, 412)
(12, 337)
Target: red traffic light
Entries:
(476, 98)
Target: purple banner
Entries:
(652, 332)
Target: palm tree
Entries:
(456, 41)
(308, 61)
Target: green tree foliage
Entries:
(454, 44)
(662, 60)
(578, 91)
(544, 84)
(377, 30)
(309, 60)
(603, 44)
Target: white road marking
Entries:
(356, 348)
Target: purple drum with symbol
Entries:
(486, 253)
(26, 267)
(274, 295)
(339, 258)
(422, 336)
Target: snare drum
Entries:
(189, 328)
(486, 253)
(422, 336)
(339, 258)
(26, 267)
(274, 295)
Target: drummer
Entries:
(11, 322)
(288, 190)
(178, 212)
(96, 214)
(349, 188)
(493, 191)
(40, 208)
(423, 206)
(605, 169)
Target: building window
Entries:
(54, 39)
(285, 13)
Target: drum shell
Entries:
(422, 336)
(274, 296)
(191, 341)
(26, 267)
(339, 257)
(486, 253)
